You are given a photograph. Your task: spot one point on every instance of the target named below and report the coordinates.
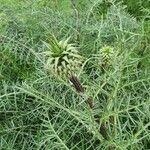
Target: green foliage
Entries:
(137, 7)
(40, 112)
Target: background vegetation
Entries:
(39, 111)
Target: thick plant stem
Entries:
(79, 88)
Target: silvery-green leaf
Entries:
(71, 61)
(65, 70)
(56, 63)
(63, 64)
(75, 55)
(66, 59)
(47, 45)
(68, 66)
(60, 69)
(71, 48)
(66, 41)
(77, 62)
(74, 51)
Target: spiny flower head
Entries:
(63, 58)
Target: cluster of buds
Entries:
(106, 54)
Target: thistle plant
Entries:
(64, 61)
(63, 58)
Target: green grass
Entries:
(39, 111)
